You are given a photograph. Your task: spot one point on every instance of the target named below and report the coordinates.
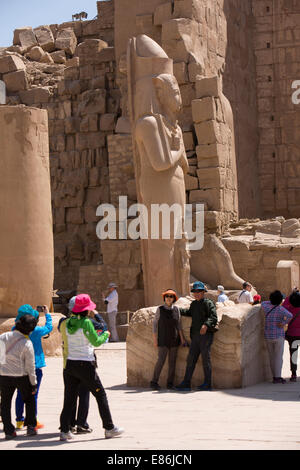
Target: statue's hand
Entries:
(184, 163)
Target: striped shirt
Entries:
(275, 315)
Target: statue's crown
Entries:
(150, 59)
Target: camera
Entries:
(40, 308)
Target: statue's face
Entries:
(173, 97)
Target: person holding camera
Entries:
(17, 370)
(36, 338)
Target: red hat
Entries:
(83, 302)
(171, 292)
(256, 298)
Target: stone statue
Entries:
(160, 162)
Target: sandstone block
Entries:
(290, 228)
(27, 38)
(204, 109)
(180, 72)
(207, 132)
(107, 122)
(46, 59)
(89, 47)
(212, 197)
(16, 81)
(16, 40)
(162, 13)
(66, 40)
(35, 95)
(45, 38)
(188, 9)
(195, 70)
(58, 57)
(287, 276)
(92, 101)
(191, 182)
(11, 63)
(208, 87)
(36, 53)
(189, 142)
(74, 62)
(211, 178)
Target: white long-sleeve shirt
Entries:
(112, 301)
(18, 360)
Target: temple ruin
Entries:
(237, 64)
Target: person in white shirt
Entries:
(245, 296)
(222, 297)
(111, 301)
(17, 371)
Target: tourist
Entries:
(17, 371)
(256, 299)
(292, 335)
(36, 338)
(168, 335)
(81, 409)
(222, 297)
(204, 321)
(276, 317)
(245, 296)
(111, 301)
(80, 338)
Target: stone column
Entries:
(26, 237)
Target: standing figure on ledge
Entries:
(160, 164)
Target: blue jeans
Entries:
(20, 402)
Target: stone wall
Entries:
(277, 41)
(69, 70)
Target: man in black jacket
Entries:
(204, 320)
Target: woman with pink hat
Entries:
(80, 338)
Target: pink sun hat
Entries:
(83, 302)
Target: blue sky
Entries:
(17, 13)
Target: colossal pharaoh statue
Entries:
(160, 164)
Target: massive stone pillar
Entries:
(26, 237)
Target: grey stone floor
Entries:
(262, 417)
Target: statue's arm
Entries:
(149, 140)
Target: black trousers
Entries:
(200, 344)
(83, 373)
(294, 342)
(8, 385)
(163, 351)
(81, 410)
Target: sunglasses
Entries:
(198, 291)
(169, 296)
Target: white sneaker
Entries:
(109, 433)
(66, 436)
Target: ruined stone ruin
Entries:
(236, 63)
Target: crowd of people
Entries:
(22, 358)
(281, 322)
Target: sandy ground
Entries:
(262, 417)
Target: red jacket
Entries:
(294, 329)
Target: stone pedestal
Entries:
(238, 354)
(287, 276)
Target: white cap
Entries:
(220, 288)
